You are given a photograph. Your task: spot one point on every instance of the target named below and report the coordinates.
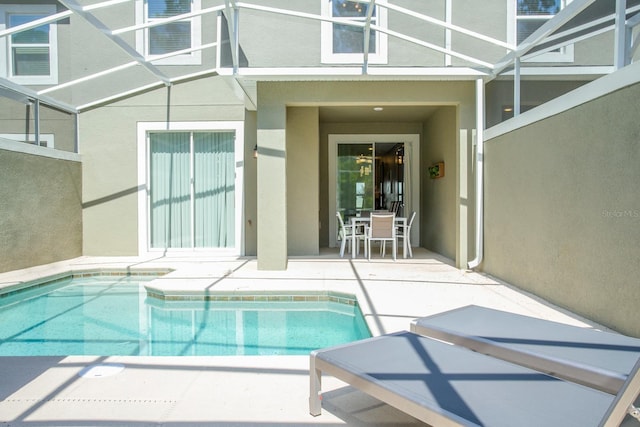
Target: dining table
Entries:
(400, 221)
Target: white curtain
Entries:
(214, 186)
(170, 190)
(408, 184)
(201, 215)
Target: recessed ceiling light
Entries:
(378, 108)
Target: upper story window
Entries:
(32, 54)
(533, 14)
(174, 36)
(344, 44)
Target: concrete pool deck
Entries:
(243, 390)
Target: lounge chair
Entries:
(597, 359)
(449, 385)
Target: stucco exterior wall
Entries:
(309, 94)
(302, 181)
(439, 195)
(562, 209)
(250, 185)
(40, 209)
(109, 144)
(297, 41)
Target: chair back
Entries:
(382, 226)
(341, 230)
(413, 216)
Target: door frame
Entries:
(412, 146)
(143, 130)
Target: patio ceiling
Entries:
(134, 74)
(367, 114)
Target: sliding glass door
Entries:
(355, 179)
(192, 190)
(368, 172)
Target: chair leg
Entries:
(394, 244)
(408, 243)
(343, 243)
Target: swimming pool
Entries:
(115, 316)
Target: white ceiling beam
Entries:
(232, 27)
(565, 15)
(344, 21)
(141, 89)
(103, 4)
(163, 21)
(123, 67)
(36, 23)
(88, 78)
(366, 33)
(445, 25)
(96, 23)
(432, 46)
(35, 96)
(620, 35)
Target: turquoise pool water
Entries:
(114, 316)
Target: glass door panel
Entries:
(214, 189)
(355, 179)
(170, 213)
(192, 190)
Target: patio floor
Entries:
(245, 390)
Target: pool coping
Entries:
(9, 289)
(169, 295)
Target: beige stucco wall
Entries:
(250, 183)
(439, 195)
(303, 181)
(562, 209)
(109, 144)
(40, 209)
(274, 97)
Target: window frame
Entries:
(328, 56)
(6, 50)
(142, 37)
(566, 53)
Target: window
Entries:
(159, 40)
(31, 54)
(343, 44)
(533, 14)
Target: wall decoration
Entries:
(436, 171)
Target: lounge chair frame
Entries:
(594, 358)
(582, 406)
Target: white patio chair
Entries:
(381, 228)
(348, 234)
(404, 232)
